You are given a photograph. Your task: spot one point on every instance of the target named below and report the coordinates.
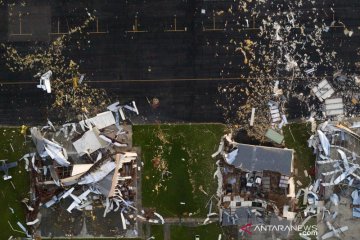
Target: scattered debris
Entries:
(45, 81)
(337, 168)
(252, 119)
(286, 62)
(90, 162)
(253, 184)
(334, 107)
(274, 136)
(5, 168)
(323, 90)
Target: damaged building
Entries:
(333, 197)
(84, 173)
(255, 184)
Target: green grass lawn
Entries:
(206, 232)
(296, 136)
(185, 151)
(311, 235)
(10, 197)
(157, 231)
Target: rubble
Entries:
(90, 162)
(255, 184)
(337, 180)
(248, 194)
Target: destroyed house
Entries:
(252, 158)
(250, 170)
(84, 166)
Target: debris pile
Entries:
(333, 196)
(255, 185)
(292, 55)
(87, 166)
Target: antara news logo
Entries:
(309, 230)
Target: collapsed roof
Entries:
(89, 142)
(97, 172)
(46, 148)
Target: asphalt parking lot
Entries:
(137, 49)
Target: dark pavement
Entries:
(112, 54)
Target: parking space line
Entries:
(135, 27)
(58, 29)
(20, 28)
(97, 29)
(338, 26)
(214, 26)
(175, 27)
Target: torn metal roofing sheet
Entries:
(356, 201)
(38, 140)
(230, 157)
(89, 142)
(46, 148)
(57, 154)
(325, 144)
(334, 106)
(80, 168)
(259, 158)
(252, 119)
(101, 120)
(106, 184)
(97, 174)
